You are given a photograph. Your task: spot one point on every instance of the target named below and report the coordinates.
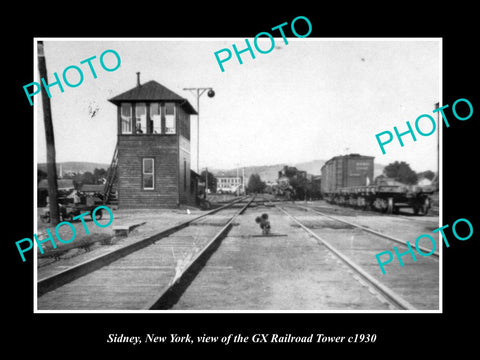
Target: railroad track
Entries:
(286, 270)
(340, 209)
(392, 238)
(172, 291)
(142, 274)
(211, 264)
(354, 245)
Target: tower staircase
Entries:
(111, 184)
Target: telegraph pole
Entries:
(199, 92)
(238, 187)
(206, 183)
(50, 141)
(243, 181)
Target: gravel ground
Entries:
(285, 272)
(153, 220)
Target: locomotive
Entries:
(294, 184)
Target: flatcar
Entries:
(348, 180)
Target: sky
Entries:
(312, 98)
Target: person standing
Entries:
(76, 198)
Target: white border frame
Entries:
(440, 170)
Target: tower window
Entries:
(126, 118)
(170, 118)
(141, 118)
(148, 172)
(156, 118)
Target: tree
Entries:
(212, 180)
(426, 174)
(401, 172)
(99, 175)
(88, 178)
(255, 184)
(84, 178)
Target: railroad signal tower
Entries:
(153, 147)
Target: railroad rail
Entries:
(378, 233)
(222, 262)
(395, 299)
(61, 278)
(284, 270)
(172, 292)
(84, 281)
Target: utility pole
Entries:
(243, 180)
(206, 183)
(236, 181)
(50, 141)
(199, 92)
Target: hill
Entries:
(270, 172)
(266, 172)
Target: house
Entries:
(424, 182)
(62, 185)
(229, 184)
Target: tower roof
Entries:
(152, 91)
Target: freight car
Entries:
(348, 180)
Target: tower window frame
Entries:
(126, 118)
(148, 173)
(170, 118)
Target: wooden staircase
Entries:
(111, 184)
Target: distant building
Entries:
(62, 184)
(424, 182)
(229, 184)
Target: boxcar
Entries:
(346, 171)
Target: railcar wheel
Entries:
(422, 209)
(416, 209)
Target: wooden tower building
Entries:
(152, 157)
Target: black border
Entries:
(60, 335)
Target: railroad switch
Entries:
(264, 223)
